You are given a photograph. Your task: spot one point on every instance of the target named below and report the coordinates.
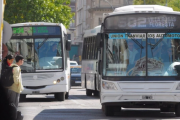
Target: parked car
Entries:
(75, 75)
(72, 63)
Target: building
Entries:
(72, 25)
(71, 33)
(89, 14)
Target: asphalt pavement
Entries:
(81, 107)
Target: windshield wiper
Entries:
(137, 43)
(140, 45)
(160, 40)
(43, 42)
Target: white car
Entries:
(73, 63)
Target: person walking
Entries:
(17, 87)
(8, 60)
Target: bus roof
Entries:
(92, 32)
(34, 23)
(63, 28)
(142, 8)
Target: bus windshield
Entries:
(39, 54)
(141, 54)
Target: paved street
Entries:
(81, 107)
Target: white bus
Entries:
(89, 74)
(46, 68)
(140, 61)
(2, 7)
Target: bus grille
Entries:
(37, 76)
(34, 87)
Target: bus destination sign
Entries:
(34, 31)
(143, 21)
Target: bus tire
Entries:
(60, 96)
(67, 95)
(22, 97)
(177, 110)
(109, 110)
(164, 109)
(96, 93)
(88, 92)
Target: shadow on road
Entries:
(97, 114)
(39, 100)
(84, 97)
(51, 98)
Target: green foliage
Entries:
(149, 2)
(56, 11)
(175, 4)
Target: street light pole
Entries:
(109, 3)
(166, 2)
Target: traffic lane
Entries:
(96, 114)
(81, 107)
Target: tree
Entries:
(19, 11)
(175, 4)
(149, 2)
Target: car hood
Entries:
(75, 75)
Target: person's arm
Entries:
(16, 73)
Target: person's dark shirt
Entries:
(5, 111)
(5, 67)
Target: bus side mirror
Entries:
(98, 40)
(68, 45)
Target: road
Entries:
(81, 107)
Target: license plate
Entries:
(147, 97)
(77, 81)
(35, 92)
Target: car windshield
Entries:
(75, 70)
(141, 54)
(38, 54)
(73, 64)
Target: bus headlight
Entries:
(108, 85)
(178, 87)
(54, 82)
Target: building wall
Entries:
(89, 15)
(72, 26)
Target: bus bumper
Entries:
(139, 97)
(48, 89)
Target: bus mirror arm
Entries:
(68, 45)
(98, 40)
(99, 67)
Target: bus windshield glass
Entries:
(141, 54)
(40, 53)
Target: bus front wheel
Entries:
(67, 95)
(177, 110)
(60, 96)
(108, 110)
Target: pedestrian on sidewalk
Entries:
(17, 87)
(8, 60)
